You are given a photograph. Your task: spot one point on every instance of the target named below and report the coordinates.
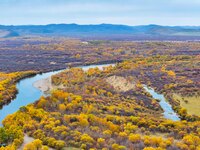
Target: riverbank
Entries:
(8, 90)
(27, 140)
(44, 85)
(169, 113)
(28, 94)
(120, 84)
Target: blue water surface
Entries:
(28, 94)
(167, 108)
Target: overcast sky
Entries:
(130, 12)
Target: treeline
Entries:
(8, 85)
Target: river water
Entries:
(28, 94)
(167, 108)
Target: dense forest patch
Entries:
(8, 88)
(86, 111)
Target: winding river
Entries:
(167, 108)
(27, 94)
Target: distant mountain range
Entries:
(104, 31)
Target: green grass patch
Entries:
(192, 104)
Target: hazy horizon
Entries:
(97, 24)
(129, 12)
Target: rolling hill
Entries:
(105, 31)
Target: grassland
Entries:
(191, 103)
